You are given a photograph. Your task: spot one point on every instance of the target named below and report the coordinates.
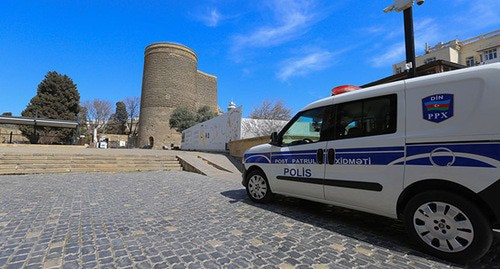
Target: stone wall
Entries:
(237, 148)
(17, 136)
(206, 90)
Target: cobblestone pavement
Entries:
(185, 220)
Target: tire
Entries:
(258, 187)
(448, 226)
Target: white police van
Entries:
(425, 150)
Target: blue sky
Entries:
(270, 49)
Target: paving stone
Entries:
(89, 258)
(71, 265)
(33, 266)
(144, 265)
(89, 265)
(123, 262)
(104, 254)
(35, 260)
(20, 258)
(120, 253)
(173, 260)
(105, 260)
(16, 265)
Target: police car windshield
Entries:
(305, 129)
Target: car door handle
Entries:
(331, 156)
(319, 156)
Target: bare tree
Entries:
(270, 110)
(269, 117)
(98, 113)
(260, 127)
(132, 104)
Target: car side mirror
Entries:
(274, 138)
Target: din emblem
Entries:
(437, 108)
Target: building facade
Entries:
(171, 79)
(483, 49)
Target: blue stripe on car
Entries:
(439, 154)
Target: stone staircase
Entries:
(12, 163)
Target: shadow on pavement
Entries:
(373, 229)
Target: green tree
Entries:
(205, 113)
(82, 121)
(182, 118)
(118, 121)
(57, 98)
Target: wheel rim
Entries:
(257, 187)
(443, 227)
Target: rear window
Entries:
(368, 117)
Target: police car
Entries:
(425, 150)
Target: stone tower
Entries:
(171, 79)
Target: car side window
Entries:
(304, 128)
(368, 117)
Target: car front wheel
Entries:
(258, 187)
(448, 226)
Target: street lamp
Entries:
(406, 7)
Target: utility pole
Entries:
(410, 42)
(406, 7)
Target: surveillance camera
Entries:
(420, 2)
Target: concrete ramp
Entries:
(211, 164)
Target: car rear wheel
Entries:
(448, 226)
(258, 187)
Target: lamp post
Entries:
(406, 7)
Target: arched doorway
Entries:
(151, 141)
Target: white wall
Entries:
(214, 134)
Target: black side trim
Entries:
(453, 142)
(360, 185)
(491, 196)
(302, 179)
(369, 186)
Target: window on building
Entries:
(399, 70)
(469, 61)
(430, 60)
(490, 54)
